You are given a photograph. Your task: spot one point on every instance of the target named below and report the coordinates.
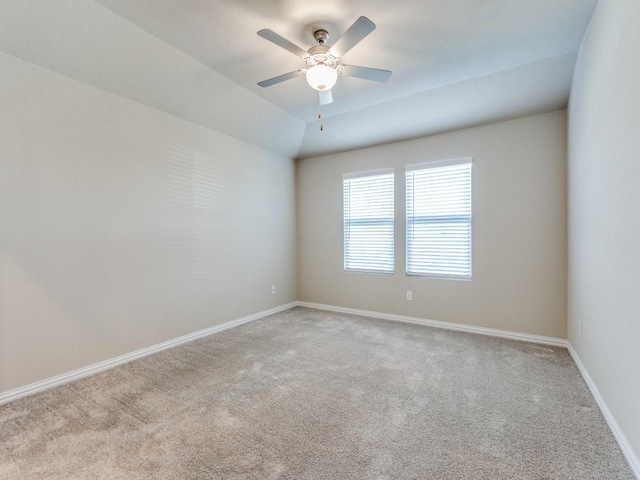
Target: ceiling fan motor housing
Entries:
(320, 55)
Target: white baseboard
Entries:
(628, 452)
(557, 342)
(128, 357)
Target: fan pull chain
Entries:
(320, 114)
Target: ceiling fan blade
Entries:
(375, 74)
(349, 39)
(326, 97)
(273, 37)
(281, 78)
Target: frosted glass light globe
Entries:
(321, 77)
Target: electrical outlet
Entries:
(409, 295)
(273, 289)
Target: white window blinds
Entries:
(368, 222)
(439, 219)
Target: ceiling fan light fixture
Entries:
(322, 77)
(324, 62)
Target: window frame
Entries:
(410, 221)
(355, 175)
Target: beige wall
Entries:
(604, 211)
(122, 227)
(519, 229)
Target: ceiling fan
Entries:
(323, 62)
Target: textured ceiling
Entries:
(455, 63)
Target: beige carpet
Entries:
(313, 395)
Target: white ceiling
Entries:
(428, 44)
(455, 63)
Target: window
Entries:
(368, 222)
(439, 219)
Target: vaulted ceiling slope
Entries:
(455, 63)
(87, 42)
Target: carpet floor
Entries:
(306, 394)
